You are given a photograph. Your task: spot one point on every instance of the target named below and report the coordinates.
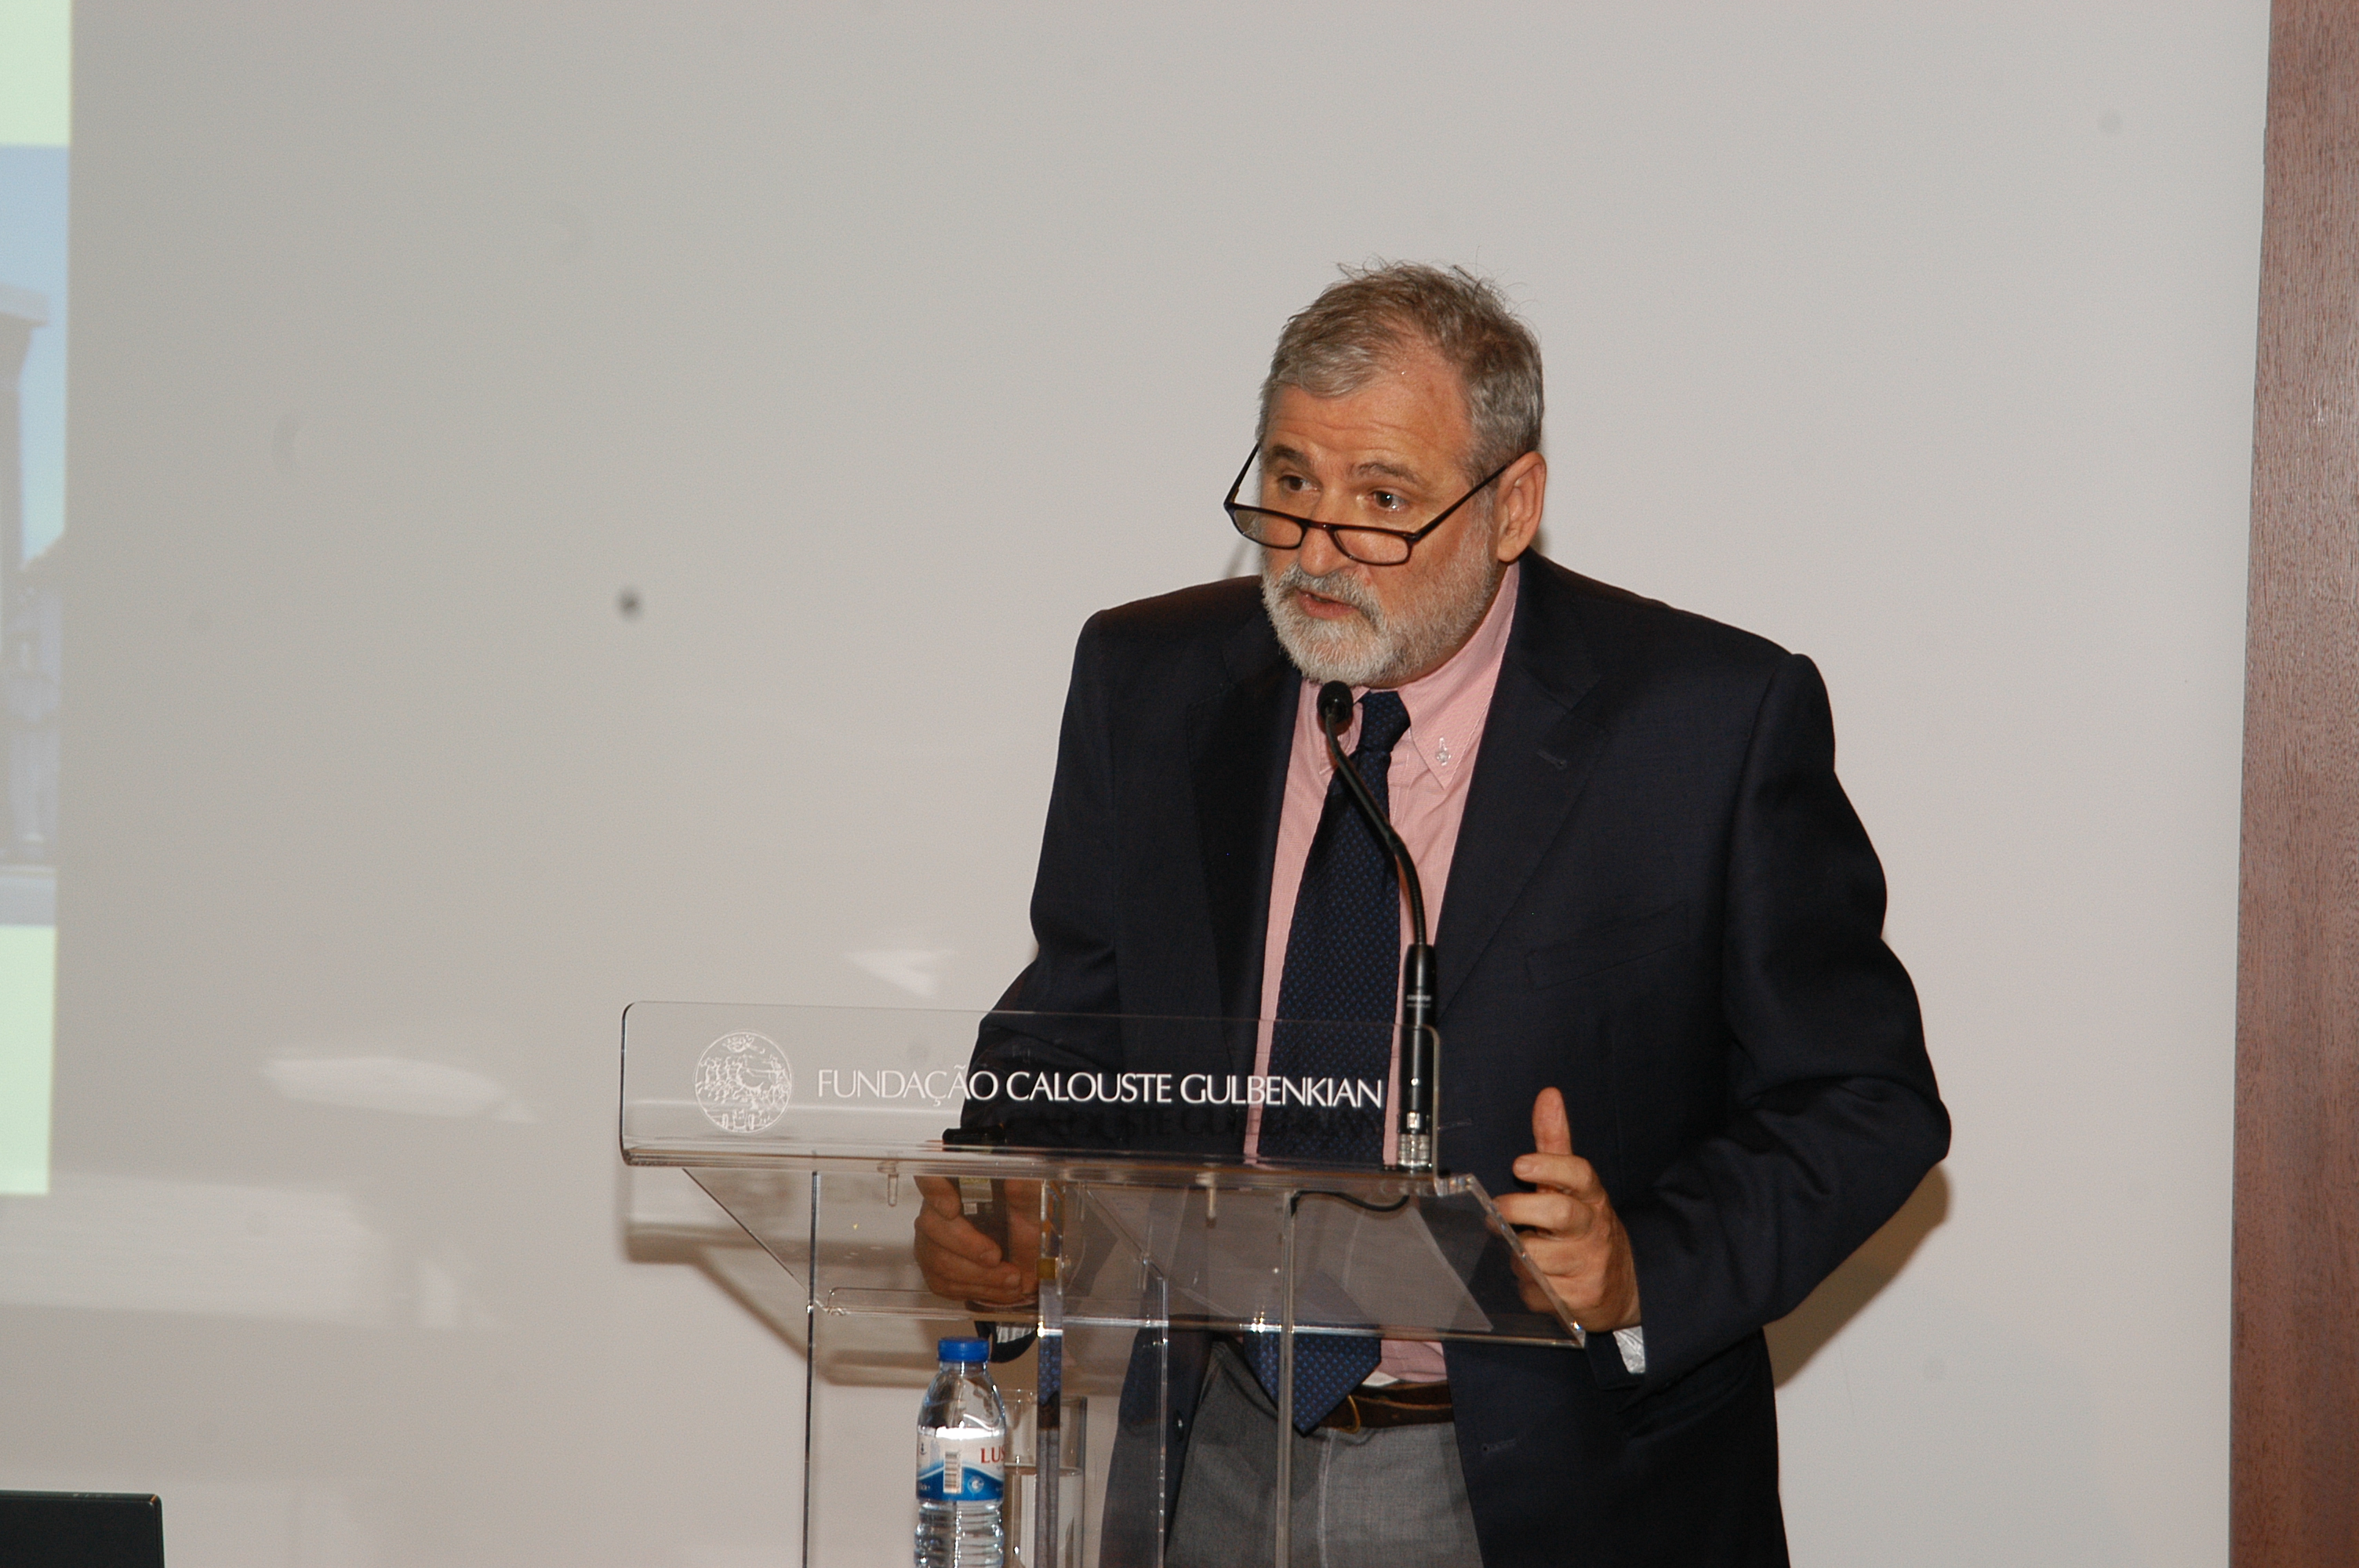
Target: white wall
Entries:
(873, 346)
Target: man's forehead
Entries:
(1380, 465)
(1393, 426)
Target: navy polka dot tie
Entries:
(1343, 969)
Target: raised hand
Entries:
(1570, 1231)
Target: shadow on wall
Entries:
(665, 1218)
(1804, 1332)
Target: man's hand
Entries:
(1570, 1231)
(962, 1263)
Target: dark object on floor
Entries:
(81, 1529)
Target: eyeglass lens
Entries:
(1370, 546)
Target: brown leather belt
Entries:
(1366, 1408)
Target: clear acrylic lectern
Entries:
(822, 1131)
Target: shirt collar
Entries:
(1447, 704)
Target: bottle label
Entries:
(958, 1466)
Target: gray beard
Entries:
(1375, 650)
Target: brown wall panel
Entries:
(2296, 1421)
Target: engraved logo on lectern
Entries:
(744, 1082)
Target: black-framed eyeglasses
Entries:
(1369, 547)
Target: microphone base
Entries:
(1416, 1154)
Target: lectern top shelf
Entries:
(814, 1127)
(713, 1084)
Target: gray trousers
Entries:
(1361, 1499)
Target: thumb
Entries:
(1552, 1129)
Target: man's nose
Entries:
(1319, 555)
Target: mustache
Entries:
(1339, 586)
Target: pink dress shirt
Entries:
(1431, 768)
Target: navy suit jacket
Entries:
(1661, 902)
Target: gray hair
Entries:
(1366, 321)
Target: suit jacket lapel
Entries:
(1537, 750)
(1238, 742)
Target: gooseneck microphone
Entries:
(1420, 1091)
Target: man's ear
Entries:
(1523, 496)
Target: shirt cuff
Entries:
(1632, 1343)
(1008, 1340)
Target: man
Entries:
(1665, 1006)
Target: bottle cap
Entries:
(966, 1350)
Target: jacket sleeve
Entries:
(1834, 1115)
(1074, 893)
(1073, 974)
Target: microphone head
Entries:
(1335, 708)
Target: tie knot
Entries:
(1383, 719)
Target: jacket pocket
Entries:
(1607, 944)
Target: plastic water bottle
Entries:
(961, 1463)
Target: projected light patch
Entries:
(36, 75)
